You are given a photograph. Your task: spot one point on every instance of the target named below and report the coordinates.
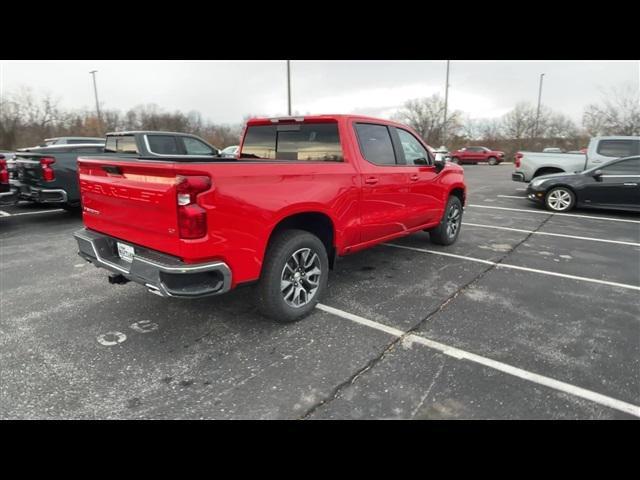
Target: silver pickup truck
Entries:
(529, 165)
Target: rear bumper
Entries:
(517, 177)
(162, 274)
(8, 196)
(41, 195)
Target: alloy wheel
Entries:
(300, 277)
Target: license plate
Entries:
(125, 252)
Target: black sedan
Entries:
(612, 185)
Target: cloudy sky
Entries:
(227, 91)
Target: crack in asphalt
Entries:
(433, 382)
(398, 340)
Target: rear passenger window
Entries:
(163, 145)
(618, 148)
(375, 143)
(315, 142)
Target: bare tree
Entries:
(426, 116)
(520, 122)
(617, 114)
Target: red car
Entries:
(477, 154)
(300, 193)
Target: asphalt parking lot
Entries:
(530, 315)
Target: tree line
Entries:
(523, 127)
(26, 120)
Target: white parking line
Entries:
(517, 267)
(619, 242)
(4, 214)
(32, 213)
(510, 196)
(460, 354)
(529, 210)
(487, 362)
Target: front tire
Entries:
(294, 276)
(560, 199)
(493, 161)
(448, 229)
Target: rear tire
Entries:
(493, 161)
(447, 231)
(294, 276)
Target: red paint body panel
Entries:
(248, 199)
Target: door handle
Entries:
(414, 178)
(371, 180)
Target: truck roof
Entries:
(149, 132)
(72, 138)
(316, 118)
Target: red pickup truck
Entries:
(300, 193)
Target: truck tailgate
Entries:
(132, 200)
(28, 169)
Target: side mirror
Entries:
(598, 175)
(439, 162)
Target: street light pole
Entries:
(289, 87)
(538, 111)
(95, 91)
(446, 103)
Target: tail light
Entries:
(518, 158)
(4, 173)
(192, 218)
(47, 172)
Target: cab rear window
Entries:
(315, 142)
(121, 144)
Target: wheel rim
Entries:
(300, 277)
(453, 221)
(559, 199)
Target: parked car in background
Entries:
(152, 144)
(476, 155)
(7, 192)
(442, 150)
(529, 165)
(66, 141)
(302, 192)
(230, 151)
(612, 185)
(49, 174)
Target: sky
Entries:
(227, 91)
